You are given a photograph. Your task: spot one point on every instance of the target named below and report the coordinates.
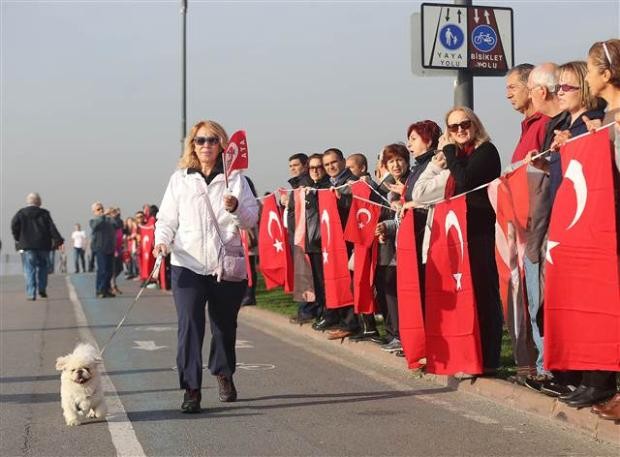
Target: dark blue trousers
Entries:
(192, 293)
(104, 271)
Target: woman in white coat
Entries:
(186, 229)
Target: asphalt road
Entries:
(296, 396)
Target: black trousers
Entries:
(249, 298)
(192, 293)
(486, 290)
(385, 282)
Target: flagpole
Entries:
(183, 72)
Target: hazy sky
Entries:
(90, 93)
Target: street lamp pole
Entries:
(183, 72)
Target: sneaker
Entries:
(535, 382)
(191, 401)
(31, 298)
(517, 379)
(228, 392)
(151, 285)
(42, 294)
(392, 346)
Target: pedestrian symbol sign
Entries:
(476, 38)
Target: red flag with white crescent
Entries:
(582, 287)
(336, 275)
(360, 230)
(410, 318)
(272, 248)
(452, 332)
(236, 154)
(147, 242)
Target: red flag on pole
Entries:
(272, 249)
(452, 333)
(336, 275)
(410, 319)
(582, 289)
(360, 230)
(236, 154)
(147, 242)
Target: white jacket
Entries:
(185, 225)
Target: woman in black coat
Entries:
(473, 160)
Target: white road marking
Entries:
(147, 345)
(155, 329)
(123, 435)
(255, 366)
(243, 344)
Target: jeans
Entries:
(78, 255)
(104, 271)
(532, 282)
(35, 270)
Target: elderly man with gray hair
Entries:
(36, 235)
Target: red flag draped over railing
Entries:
(336, 275)
(410, 318)
(360, 230)
(582, 289)
(272, 249)
(452, 333)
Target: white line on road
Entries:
(123, 435)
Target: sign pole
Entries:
(464, 84)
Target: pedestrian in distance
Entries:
(35, 236)
(199, 222)
(103, 227)
(79, 243)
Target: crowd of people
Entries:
(558, 102)
(208, 219)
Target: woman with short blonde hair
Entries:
(213, 130)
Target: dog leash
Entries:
(154, 273)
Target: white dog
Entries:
(81, 394)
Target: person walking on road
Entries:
(79, 243)
(103, 228)
(186, 228)
(36, 235)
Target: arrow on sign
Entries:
(459, 15)
(476, 17)
(486, 16)
(447, 14)
(147, 345)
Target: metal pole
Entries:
(464, 84)
(183, 72)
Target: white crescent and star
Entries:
(363, 211)
(574, 173)
(453, 221)
(277, 242)
(325, 220)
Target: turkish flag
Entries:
(336, 275)
(452, 333)
(272, 249)
(236, 154)
(360, 230)
(147, 242)
(582, 288)
(410, 318)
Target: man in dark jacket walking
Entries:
(36, 235)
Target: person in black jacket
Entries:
(35, 233)
(473, 160)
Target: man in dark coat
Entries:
(36, 235)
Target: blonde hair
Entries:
(579, 69)
(480, 134)
(189, 159)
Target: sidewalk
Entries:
(497, 390)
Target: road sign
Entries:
(476, 38)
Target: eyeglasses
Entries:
(566, 88)
(462, 125)
(210, 140)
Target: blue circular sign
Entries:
(484, 38)
(451, 37)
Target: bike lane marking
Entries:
(122, 432)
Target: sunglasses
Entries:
(566, 88)
(463, 125)
(210, 140)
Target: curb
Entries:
(503, 392)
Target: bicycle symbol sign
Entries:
(451, 37)
(484, 38)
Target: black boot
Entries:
(191, 401)
(368, 328)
